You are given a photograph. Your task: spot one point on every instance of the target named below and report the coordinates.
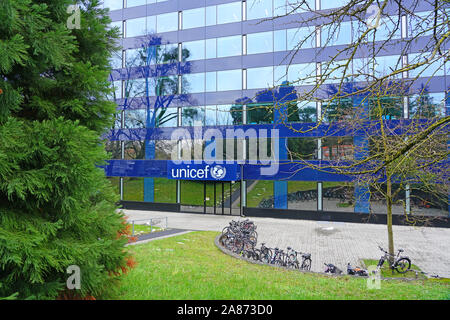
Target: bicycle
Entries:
(401, 264)
(356, 271)
(265, 253)
(331, 268)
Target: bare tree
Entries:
(376, 60)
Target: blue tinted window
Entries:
(259, 78)
(167, 22)
(134, 3)
(279, 7)
(211, 15)
(339, 36)
(390, 27)
(193, 116)
(420, 24)
(279, 38)
(229, 80)
(301, 36)
(151, 24)
(294, 7)
(194, 83)
(193, 18)
(435, 68)
(166, 117)
(227, 115)
(134, 58)
(307, 111)
(167, 53)
(333, 72)
(135, 88)
(211, 49)
(260, 42)
(386, 65)
(116, 60)
(166, 86)
(195, 50)
(230, 12)
(229, 46)
(117, 24)
(136, 27)
(258, 9)
(211, 81)
(427, 105)
(112, 4)
(328, 4)
(211, 116)
(116, 90)
(302, 74)
(136, 118)
(279, 75)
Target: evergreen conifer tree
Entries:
(56, 207)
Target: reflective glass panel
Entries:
(260, 42)
(134, 3)
(136, 27)
(193, 116)
(230, 12)
(435, 68)
(193, 18)
(195, 83)
(194, 50)
(259, 78)
(211, 16)
(229, 46)
(229, 80)
(167, 22)
(332, 36)
(211, 48)
(301, 74)
(301, 38)
(258, 9)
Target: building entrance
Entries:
(211, 197)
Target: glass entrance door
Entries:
(220, 198)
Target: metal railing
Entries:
(152, 222)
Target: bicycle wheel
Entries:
(402, 265)
(306, 264)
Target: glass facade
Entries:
(228, 65)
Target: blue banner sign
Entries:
(203, 171)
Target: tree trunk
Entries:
(389, 216)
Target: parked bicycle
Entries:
(357, 271)
(240, 237)
(401, 264)
(331, 268)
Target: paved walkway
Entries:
(331, 242)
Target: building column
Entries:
(361, 145)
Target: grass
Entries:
(144, 229)
(386, 272)
(190, 266)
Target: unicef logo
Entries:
(218, 172)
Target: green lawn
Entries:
(386, 272)
(190, 266)
(144, 229)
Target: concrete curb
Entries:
(232, 254)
